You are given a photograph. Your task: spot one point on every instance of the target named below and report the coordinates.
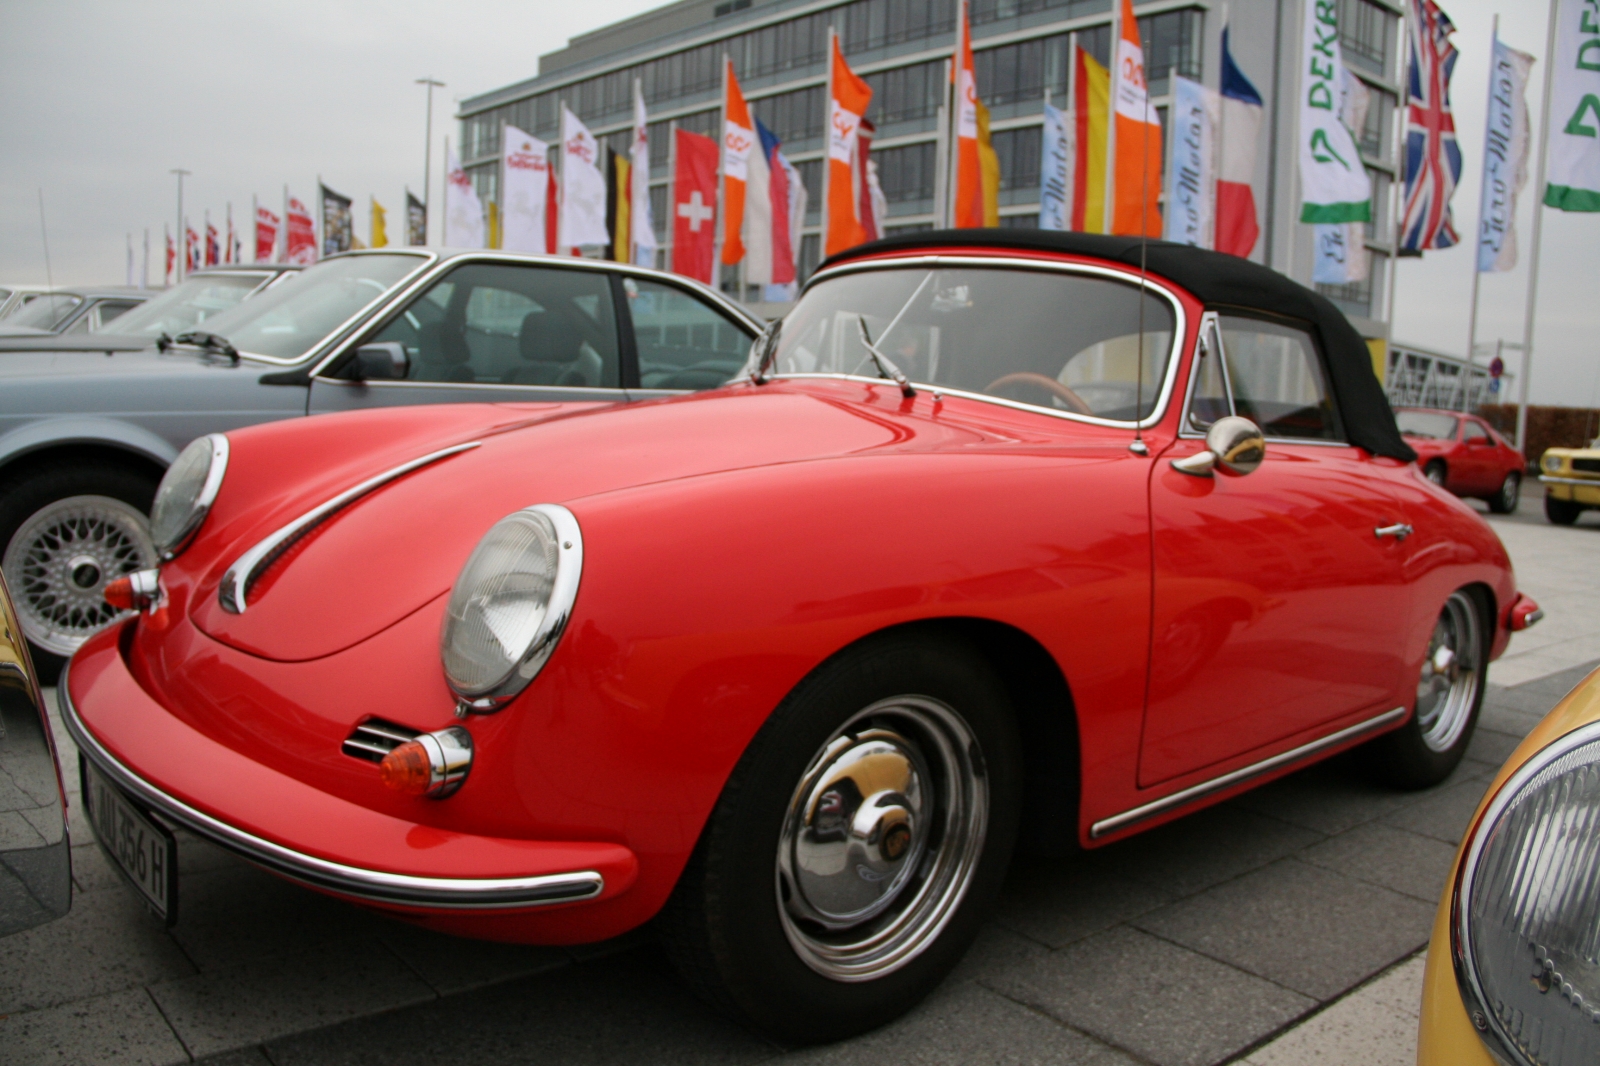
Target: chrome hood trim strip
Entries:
(249, 566)
(376, 885)
(1245, 773)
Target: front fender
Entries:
(85, 429)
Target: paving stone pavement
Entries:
(1280, 928)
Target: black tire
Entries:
(24, 498)
(729, 934)
(1505, 501)
(1430, 745)
(1435, 472)
(1561, 512)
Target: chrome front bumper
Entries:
(378, 886)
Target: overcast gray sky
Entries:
(103, 99)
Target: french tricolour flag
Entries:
(1237, 222)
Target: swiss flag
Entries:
(694, 206)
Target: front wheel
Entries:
(1434, 472)
(65, 532)
(1561, 512)
(1450, 691)
(1505, 501)
(857, 844)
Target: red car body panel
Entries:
(1471, 469)
(733, 541)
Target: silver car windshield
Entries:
(1067, 342)
(294, 316)
(46, 312)
(196, 301)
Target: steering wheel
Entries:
(1050, 385)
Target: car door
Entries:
(1275, 600)
(1479, 466)
(492, 331)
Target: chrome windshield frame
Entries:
(1129, 276)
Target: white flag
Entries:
(1191, 176)
(1334, 186)
(1574, 117)
(524, 190)
(1505, 158)
(463, 211)
(583, 186)
(1339, 250)
(639, 220)
(1055, 171)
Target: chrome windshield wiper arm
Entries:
(886, 367)
(211, 342)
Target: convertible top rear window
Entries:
(1067, 342)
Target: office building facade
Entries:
(1022, 52)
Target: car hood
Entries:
(392, 551)
(38, 341)
(75, 382)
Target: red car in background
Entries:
(1464, 454)
(996, 538)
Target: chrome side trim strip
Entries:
(1217, 784)
(376, 885)
(242, 574)
(1593, 483)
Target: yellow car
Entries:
(1572, 482)
(1513, 976)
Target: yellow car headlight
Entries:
(1526, 909)
(1552, 463)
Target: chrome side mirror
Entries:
(1234, 444)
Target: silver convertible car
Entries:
(85, 436)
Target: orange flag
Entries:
(969, 168)
(738, 134)
(847, 103)
(1137, 184)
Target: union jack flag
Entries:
(1433, 158)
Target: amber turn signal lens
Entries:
(407, 769)
(119, 593)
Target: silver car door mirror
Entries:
(384, 361)
(1233, 444)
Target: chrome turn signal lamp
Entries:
(186, 494)
(135, 591)
(1526, 910)
(433, 765)
(510, 605)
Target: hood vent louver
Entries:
(375, 738)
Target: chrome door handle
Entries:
(1399, 531)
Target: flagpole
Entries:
(1538, 226)
(144, 274)
(444, 216)
(1477, 275)
(672, 193)
(322, 214)
(1072, 117)
(1109, 200)
(720, 229)
(827, 147)
(941, 155)
(1400, 175)
(281, 240)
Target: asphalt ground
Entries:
(1280, 927)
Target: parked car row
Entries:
(77, 311)
(586, 611)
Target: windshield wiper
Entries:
(210, 342)
(886, 368)
(164, 341)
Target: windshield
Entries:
(185, 307)
(294, 316)
(45, 312)
(1426, 424)
(1067, 342)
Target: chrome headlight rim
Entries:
(558, 611)
(200, 506)
(1473, 994)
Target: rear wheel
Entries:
(1450, 691)
(1561, 512)
(66, 531)
(1505, 501)
(857, 844)
(1434, 472)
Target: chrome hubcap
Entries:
(881, 839)
(1509, 492)
(59, 562)
(1451, 674)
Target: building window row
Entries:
(1367, 35)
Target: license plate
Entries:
(145, 853)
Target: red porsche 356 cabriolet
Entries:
(1000, 536)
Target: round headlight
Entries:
(186, 493)
(510, 604)
(1527, 909)
(1552, 462)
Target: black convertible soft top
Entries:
(1221, 282)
